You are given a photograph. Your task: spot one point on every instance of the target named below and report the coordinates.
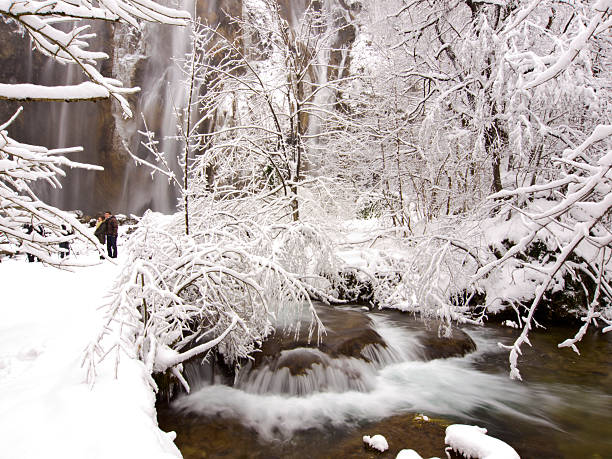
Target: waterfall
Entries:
(142, 58)
(137, 58)
(153, 64)
(57, 125)
(305, 371)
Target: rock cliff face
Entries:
(53, 124)
(137, 58)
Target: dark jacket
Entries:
(112, 226)
(100, 232)
(66, 232)
(31, 228)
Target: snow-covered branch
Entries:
(602, 10)
(223, 286)
(580, 221)
(26, 223)
(39, 20)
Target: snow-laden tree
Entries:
(577, 219)
(461, 117)
(523, 88)
(373, 153)
(264, 100)
(222, 287)
(59, 30)
(240, 258)
(576, 227)
(260, 108)
(407, 168)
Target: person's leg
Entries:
(109, 246)
(112, 246)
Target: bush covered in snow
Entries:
(222, 286)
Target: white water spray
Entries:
(446, 387)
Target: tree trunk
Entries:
(492, 146)
(497, 183)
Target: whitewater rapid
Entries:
(400, 382)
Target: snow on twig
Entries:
(222, 286)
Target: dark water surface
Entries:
(562, 409)
(571, 392)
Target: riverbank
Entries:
(48, 317)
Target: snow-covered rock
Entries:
(408, 454)
(377, 442)
(473, 442)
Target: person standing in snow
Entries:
(30, 228)
(100, 231)
(65, 246)
(112, 230)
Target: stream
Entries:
(378, 373)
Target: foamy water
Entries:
(397, 381)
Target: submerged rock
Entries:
(401, 432)
(347, 357)
(201, 437)
(437, 340)
(348, 332)
(457, 344)
(343, 359)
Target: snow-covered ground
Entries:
(47, 409)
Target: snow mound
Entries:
(377, 442)
(473, 442)
(43, 333)
(408, 454)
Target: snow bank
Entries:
(377, 442)
(46, 408)
(472, 442)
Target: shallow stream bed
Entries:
(307, 402)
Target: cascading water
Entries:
(137, 58)
(349, 362)
(313, 396)
(321, 373)
(156, 67)
(304, 388)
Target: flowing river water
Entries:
(376, 372)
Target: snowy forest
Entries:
(291, 167)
